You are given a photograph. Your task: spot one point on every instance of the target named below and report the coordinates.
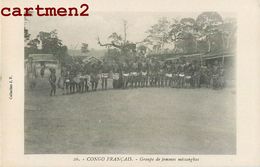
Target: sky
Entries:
(76, 30)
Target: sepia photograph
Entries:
(131, 83)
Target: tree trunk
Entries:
(223, 44)
(196, 46)
(209, 45)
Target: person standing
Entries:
(215, 75)
(104, 75)
(94, 77)
(125, 75)
(161, 74)
(144, 75)
(157, 73)
(86, 70)
(115, 76)
(67, 82)
(52, 81)
(42, 71)
(221, 76)
(168, 74)
(135, 74)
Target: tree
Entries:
(84, 48)
(50, 42)
(180, 34)
(186, 39)
(207, 33)
(31, 48)
(62, 54)
(158, 34)
(228, 32)
(142, 50)
(208, 23)
(26, 35)
(125, 48)
(47, 43)
(188, 25)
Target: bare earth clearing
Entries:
(133, 121)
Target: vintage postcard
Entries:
(122, 82)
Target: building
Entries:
(92, 60)
(36, 61)
(42, 58)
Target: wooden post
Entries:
(223, 58)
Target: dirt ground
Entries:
(132, 121)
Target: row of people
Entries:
(80, 78)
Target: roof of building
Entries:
(91, 59)
(42, 58)
(218, 55)
(92, 53)
(210, 55)
(194, 55)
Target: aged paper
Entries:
(161, 114)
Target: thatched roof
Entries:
(218, 55)
(42, 58)
(92, 53)
(92, 60)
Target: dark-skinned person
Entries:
(104, 75)
(52, 81)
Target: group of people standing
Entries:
(79, 77)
